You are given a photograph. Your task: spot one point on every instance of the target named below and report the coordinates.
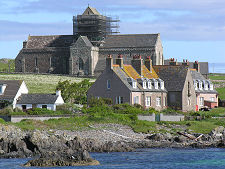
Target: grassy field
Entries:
(221, 92)
(4, 65)
(217, 76)
(40, 83)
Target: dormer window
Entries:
(134, 85)
(144, 85)
(196, 85)
(206, 86)
(200, 85)
(156, 85)
(149, 85)
(211, 86)
(2, 88)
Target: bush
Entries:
(98, 109)
(171, 111)
(6, 111)
(126, 108)
(40, 111)
(92, 102)
(68, 108)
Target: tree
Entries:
(74, 92)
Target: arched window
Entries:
(81, 64)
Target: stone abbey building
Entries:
(83, 54)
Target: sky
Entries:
(193, 29)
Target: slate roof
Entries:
(86, 41)
(198, 76)
(37, 99)
(204, 66)
(128, 72)
(130, 40)
(37, 42)
(11, 89)
(173, 76)
(93, 10)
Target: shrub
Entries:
(68, 108)
(6, 111)
(40, 111)
(171, 111)
(92, 102)
(125, 108)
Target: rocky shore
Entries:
(67, 148)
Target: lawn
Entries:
(40, 83)
(4, 66)
(217, 76)
(221, 92)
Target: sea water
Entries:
(213, 158)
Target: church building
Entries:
(83, 54)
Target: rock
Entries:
(156, 137)
(64, 158)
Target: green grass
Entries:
(217, 77)
(5, 66)
(40, 83)
(221, 92)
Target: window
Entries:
(149, 85)
(50, 61)
(158, 101)
(196, 85)
(162, 85)
(156, 85)
(201, 101)
(119, 100)
(212, 99)
(148, 101)
(24, 107)
(136, 99)
(211, 86)
(189, 89)
(81, 64)
(1, 89)
(44, 106)
(165, 101)
(189, 101)
(200, 85)
(134, 84)
(108, 84)
(35, 62)
(144, 85)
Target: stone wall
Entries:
(15, 119)
(163, 117)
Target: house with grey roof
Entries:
(84, 52)
(137, 83)
(179, 84)
(206, 95)
(47, 101)
(203, 67)
(10, 91)
(15, 93)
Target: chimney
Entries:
(173, 62)
(24, 44)
(185, 62)
(109, 62)
(196, 66)
(148, 63)
(58, 92)
(119, 60)
(136, 62)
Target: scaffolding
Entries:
(95, 27)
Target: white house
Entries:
(48, 101)
(15, 92)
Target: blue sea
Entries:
(213, 158)
(216, 67)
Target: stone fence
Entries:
(161, 117)
(18, 118)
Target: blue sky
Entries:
(193, 30)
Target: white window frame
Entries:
(189, 101)
(211, 86)
(109, 84)
(148, 101)
(134, 85)
(136, 99)
(201, 101)
(149, 85)
(158, 101)
(144, 85)
(156, 85)
(162, 85)
(212, 99)
(200, 85)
